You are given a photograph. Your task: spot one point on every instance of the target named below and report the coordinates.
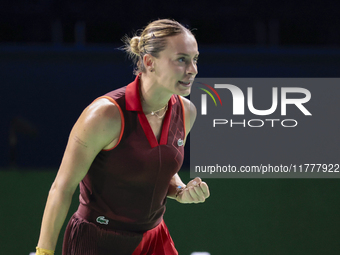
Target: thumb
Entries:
(194, 182)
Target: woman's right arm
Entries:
(97, 127)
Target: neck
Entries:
(153, 97)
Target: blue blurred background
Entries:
(56, 57)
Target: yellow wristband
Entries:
(41, 251)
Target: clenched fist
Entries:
(196, 191)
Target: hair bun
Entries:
(151, 40)
(134, 45)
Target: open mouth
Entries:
(183, 83)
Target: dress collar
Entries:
(132, 98)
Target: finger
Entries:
(205, 189)
(194, 182)
(197, 180)
(187, 197)
(193, 195)
(200, 194)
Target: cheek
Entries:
(172, 72)
(178, 69)
(175, 66)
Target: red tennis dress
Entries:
(123, 196)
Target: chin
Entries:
(184, 93)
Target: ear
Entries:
(149, 62)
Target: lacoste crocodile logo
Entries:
(102, 220)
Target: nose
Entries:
(192, 68)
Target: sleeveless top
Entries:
(126, 186)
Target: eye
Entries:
(196, 59)
(181, 59)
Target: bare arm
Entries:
(190, 116)
(98, 126)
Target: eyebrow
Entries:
(184, 54)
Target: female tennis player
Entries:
(125, 151)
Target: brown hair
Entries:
(151, 40)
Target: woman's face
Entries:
(176, 66)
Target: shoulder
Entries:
(100, 121)
(190, 113)
(188, 105)
(102, 110)
(117, 94)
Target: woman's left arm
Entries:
(195, 191)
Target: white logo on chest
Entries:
(180, 142)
